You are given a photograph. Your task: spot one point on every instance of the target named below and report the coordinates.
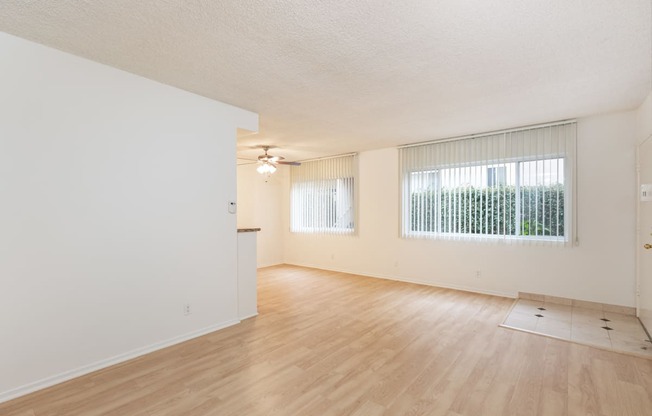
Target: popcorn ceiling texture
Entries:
(330, 77)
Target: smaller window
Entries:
(322, 196)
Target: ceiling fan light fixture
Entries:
(266, 168)
(267, 163)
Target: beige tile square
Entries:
(625, 310)
(558, 300)
(593, 328)
(630, 332)
(591, 336)
(587, 305)
(627, 338)
(557, 312)
(586, 317)
(531, 296)
(523, 321)
(626, 330)
(527, 306)
(555, 328)
(593, 313)
(588, 324)
(559, 320)
(636, 347)
(620, 318)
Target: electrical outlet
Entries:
(186, 309)
(478, 274)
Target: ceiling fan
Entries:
(267, 163)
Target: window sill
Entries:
(330, 231)
(485, 237)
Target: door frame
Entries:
(639, 241)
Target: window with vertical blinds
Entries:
(513, 186)
(322, 196)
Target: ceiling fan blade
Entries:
(244, 161)
(267, 159)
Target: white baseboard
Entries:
(242, 318)
(263, 265)
(418, 282)
(77, 372)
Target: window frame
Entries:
(347, 172)
(424, 157)
(437, 171)
(326, 230)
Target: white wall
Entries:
(113, 215)
(600, 269)
(260, 206)
(644, 119)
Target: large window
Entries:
(512, 186)
(322, 196)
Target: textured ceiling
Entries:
(330, 77)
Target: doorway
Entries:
(644, 238)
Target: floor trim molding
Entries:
(414, 281)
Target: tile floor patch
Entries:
(581, 325)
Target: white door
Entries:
(644, 249)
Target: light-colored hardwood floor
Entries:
(328, 343)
